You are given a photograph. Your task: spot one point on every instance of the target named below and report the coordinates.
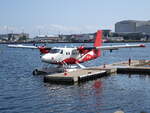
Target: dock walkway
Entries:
(80, 75)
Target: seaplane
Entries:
(64, 58)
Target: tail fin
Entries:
(98, 38)
(98, 42)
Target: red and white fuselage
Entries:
(68, 55)
(72, 55)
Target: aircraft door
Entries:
(64, 55)
(75, 53)
(61, 55)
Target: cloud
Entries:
(10, 29)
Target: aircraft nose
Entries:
(46, 58)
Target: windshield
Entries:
(54, 50)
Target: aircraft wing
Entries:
(22, 46)
(42, 49)
(115, 47)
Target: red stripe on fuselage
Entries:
(89, 57)
(74, 61)
(70, 61)
(82, 50)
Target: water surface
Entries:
(21, 92)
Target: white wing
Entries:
(120, 46)
(22, 46)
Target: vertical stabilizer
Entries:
(98, 42)
(98, 38)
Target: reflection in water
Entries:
(97, 87)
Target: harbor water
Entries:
(21, 92)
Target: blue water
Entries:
(21, 92)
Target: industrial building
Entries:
(77, 37)
(133, 26)
(14, 37)
(86, 37)
(46, 38)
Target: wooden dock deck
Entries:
(80, 75)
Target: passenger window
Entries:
(67, 53)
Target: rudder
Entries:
(98, 38)
(98, 42)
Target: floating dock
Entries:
(133, 70)
(81, 75)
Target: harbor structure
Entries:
(14, 37)
(133, 26)
(91, 73)
(46, 38)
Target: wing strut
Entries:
(83, 67)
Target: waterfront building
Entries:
(106, 32)
(133, 26)
(14, 37)
(118, 39)
(46, 38)
(87, 37)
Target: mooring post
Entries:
(129, 61)
(104, 66)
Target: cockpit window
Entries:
(54, 50)
(61, 52)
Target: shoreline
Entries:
(73, 42)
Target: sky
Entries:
(51, 17)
